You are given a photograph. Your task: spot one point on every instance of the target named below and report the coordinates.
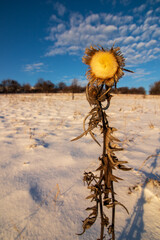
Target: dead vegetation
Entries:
(105, 69)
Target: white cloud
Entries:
(157, 32)
(156, 50)
(114, 2)
(151, 43)
(119, 39)
(151, 57)
(137, 31)
(128, 40)
(136, 36)
(151, 20)
(153, 27)
(140, 45)
(140, 72)
(34, 67)
(61, 27)
(145, 36)
(149, 12)
(55, 51)
(108, 29)
(139, 9)
(93, 18)
(157, 9)
(55, 18)
(123, 30)
(154, 1)
(75, 19)
(132, 27)
(61, 9)
(116, 19)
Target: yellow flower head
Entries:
(105, 66)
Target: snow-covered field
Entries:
(42, 196)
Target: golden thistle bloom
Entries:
(105, 66)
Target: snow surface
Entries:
(42, 195)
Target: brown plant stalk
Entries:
(101, 183)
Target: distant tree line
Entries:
(46, 86)
(42, 86)
(126, 90)
(154, 89)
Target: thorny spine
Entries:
(101, 187)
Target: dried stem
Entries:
(104, 153)
(104, 125)
(113, 211)
(102, 220)
(101, 185)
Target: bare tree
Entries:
(44, 86)
(61, 86)
(155, 88)
(11, 86)
(26, 88)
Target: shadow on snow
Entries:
(135, 224)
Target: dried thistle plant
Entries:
(105, 69)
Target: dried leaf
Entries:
(110, 229)
(110, 205)
(100, 168)
(74, 139)
(87, 223)
(91, 196)
(106, 221)
(92, 188)
(113, 129)
(92, 135)
(106, 199)
(121, 162)
(115, 177)
(114, 139)
(116, 149)
(122, 167)
(91, 208)
(118, 203)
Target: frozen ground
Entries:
(42, 195)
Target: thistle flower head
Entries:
(105, 66)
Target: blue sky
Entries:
(46, 38)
